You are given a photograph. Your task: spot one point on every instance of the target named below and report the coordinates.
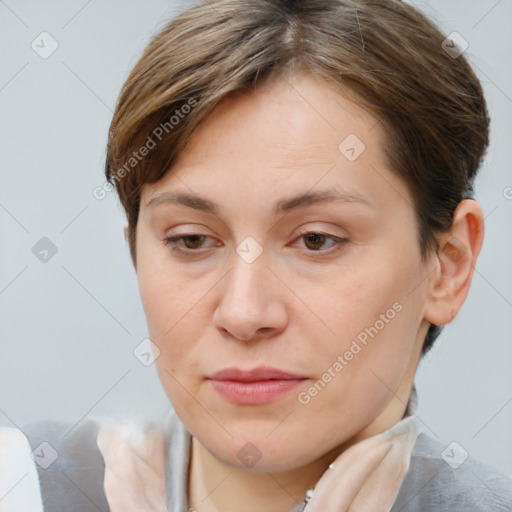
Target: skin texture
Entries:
(303, 301)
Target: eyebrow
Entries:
(282, 206)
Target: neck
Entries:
(217, 487)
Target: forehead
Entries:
(301, 118)
(294, 134)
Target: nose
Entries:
(252, 304)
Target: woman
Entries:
(298, 181)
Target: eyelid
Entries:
(305, 231)
(339, 242)
(173, 241)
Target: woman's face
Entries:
(342, 307)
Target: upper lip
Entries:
(253, 375)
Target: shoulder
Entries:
(60, 463)
(443, 477)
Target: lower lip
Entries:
(254, 393)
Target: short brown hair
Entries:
(388, 56)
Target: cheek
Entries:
(165, 294)
(176, 318)
(154, 296)
(365, 312)
(352, 298)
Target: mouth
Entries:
(255, 386)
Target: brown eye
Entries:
(190, 243)
(314, 241)
(194, 241)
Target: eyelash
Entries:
(172, 242)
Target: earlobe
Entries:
(455, 261)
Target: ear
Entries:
(454, 263)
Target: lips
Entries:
(256, 386)
(261, 373)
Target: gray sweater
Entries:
(438, 479)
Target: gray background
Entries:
(68, 327)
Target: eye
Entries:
(314, 240)
(192, 242)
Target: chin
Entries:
(258, 454)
